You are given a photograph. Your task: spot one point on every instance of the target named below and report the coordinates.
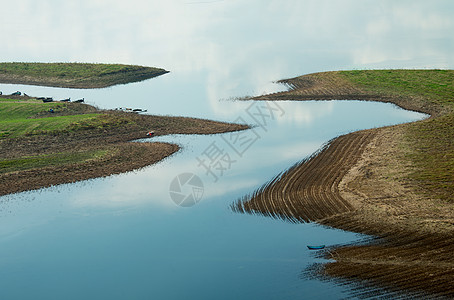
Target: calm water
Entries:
(123, 236)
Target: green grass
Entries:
(24, 118)
(430, 143)
(432, 155)
(435, 86)
(18, 119)
(16, 110)
(40, 161)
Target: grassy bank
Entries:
(43, 144)
(429, 145)
(434, 87)
(20, 119)
(24, 118)
(74, 75)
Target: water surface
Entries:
(122, 236)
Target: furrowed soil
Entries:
(307, 192)
(97, 147)
(365, 182)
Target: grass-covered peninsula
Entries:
(44, 144)
(396, 182)
(74, 75)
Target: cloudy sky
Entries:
(190, 35)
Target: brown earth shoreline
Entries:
(123, 155)
(358, 183)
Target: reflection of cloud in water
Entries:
(147, 186)
(305, 113)
(150, 186)
(297, 151)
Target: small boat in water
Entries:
(319, 247)
(66, 100)
(80, 100)
(45, 100)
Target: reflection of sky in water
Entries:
(123, 232)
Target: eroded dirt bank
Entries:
(360, 183)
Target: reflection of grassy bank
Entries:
(400, 186)
(74, 141)
(74, 75)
